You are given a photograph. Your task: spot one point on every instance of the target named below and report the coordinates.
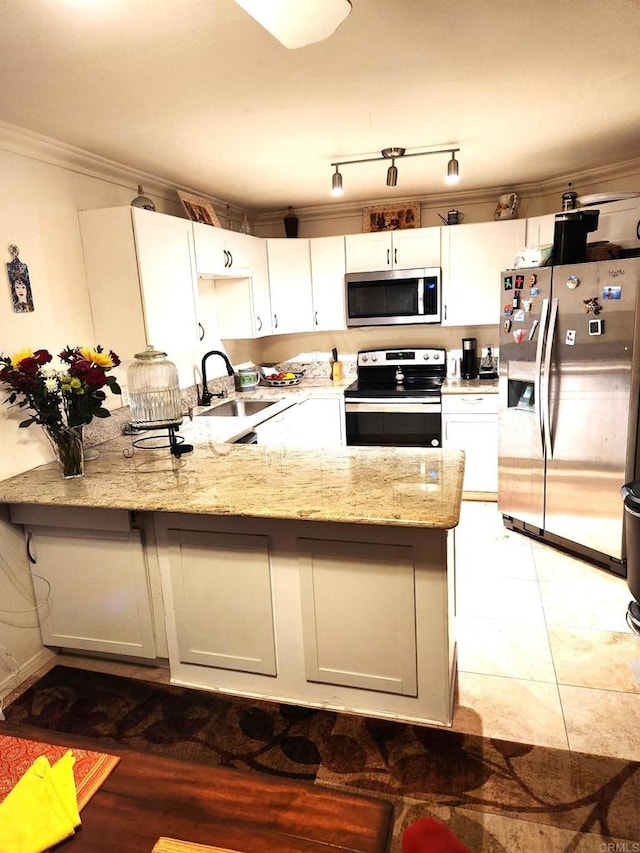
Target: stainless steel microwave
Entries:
(393, 297)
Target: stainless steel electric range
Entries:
(396, 400)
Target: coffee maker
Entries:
(469, 364)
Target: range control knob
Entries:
(374, 357)
(436, 356)
(364, 358)
(426, 356)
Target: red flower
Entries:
(94, 377)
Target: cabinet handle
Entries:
(275, 321)
(388, 256)
(201, 335)
(30, 556)
(259, 324)
(226, 258)
(315, 316)
(638, 229)
(472, 400)
(395, 256)
(230, 259)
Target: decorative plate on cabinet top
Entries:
(603, 198)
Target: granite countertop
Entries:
(470, 386)
(404, 487)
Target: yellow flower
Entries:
(100, 359)
(20, 356)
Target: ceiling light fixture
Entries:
(336, 183)
(452, 176)
(297, 24)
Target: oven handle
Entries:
(371, 407)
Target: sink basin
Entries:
(238, 408)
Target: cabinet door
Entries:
(209, 246)
(477, 435)
(368, 252)
(540, 230)
(222, 597)
(472, 258)
(416, 247)
(327, 280)
(618, 222)
(290, 285)
(98, 596)
(353, 589)
(260, 294)
(168, 283)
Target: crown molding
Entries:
(26, 143)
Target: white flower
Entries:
(51, 384)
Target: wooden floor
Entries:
(147, 797)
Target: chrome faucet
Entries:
(205, 399)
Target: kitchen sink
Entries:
(238, 408)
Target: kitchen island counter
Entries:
(388, 486)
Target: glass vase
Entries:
(67, 445)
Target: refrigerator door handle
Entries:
(547, 378)
(537, 379)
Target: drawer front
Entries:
(459, 404)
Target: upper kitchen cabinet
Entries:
(619, 222)
(142, 282)
(472, 258)
(221, 252)
(243, 304)
(290, 285)
(386, 250)
(327, 279)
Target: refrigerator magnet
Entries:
(592, 305)
(572, 282)
(526, 304)
(507, 326)
(533, 278)
(508, 282)
(611, 292)
(508, 309)
(519, 282)
(518, 317)
(532, 330)
(570, 337)
(518, 335)
(535, 291)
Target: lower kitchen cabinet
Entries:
(316, 422)
(92, 584)
(221, 586)
(358, 590)
(470, 423)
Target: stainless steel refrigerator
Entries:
(569, 382)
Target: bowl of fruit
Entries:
(282, 378)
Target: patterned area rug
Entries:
(496, 796)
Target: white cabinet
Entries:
(470, 423)
(313, 423)
(354, 590)
(243, 305)
(472, 258)
(221, 586)
(327, 281)
(142, 283)
(92, 578)
(618, 222)
(290, 285)
(383, 250)
(540, 230)
(221, 252)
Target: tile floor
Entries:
(545, 655)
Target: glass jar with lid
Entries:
(154, 391)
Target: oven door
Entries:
(394, 424)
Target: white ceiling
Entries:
(197, 93)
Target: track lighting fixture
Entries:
(336, 183)
(452, 176)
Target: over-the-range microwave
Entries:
(393, 297)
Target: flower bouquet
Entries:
(61, 399)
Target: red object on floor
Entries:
(428, 835)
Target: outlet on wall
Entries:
(124, 397)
